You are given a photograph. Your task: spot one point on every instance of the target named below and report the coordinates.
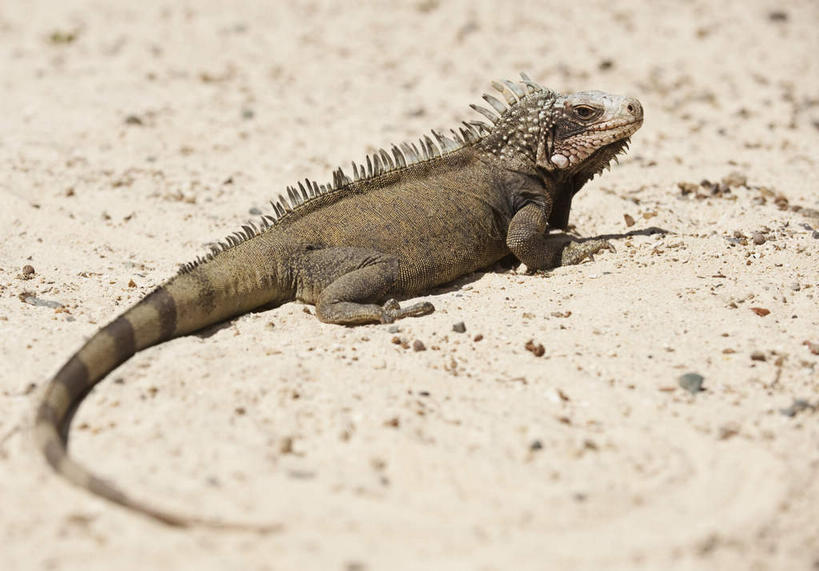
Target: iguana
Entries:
(405, 221)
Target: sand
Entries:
(132, 134)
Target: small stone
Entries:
(134, 120)
(735, 179)
(30, 298)
(459, 327)
(393, 329)
(478, 337)
(758, 238)
(629, 220)
(535, 349)
(687, 188)
(131, 283)
(536, 445)
(728, 430)
(758, 356)
(812, 347)
(760, 311)
(27, 272)
(62, 37)
(692, 382)
(248, 113)
(589, 444)
(796, 407)
(255, 211)
(418, 345)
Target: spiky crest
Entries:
(379, 163)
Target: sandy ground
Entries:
(132, 134)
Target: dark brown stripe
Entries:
(166, 307)
(74, 377)
(47, 414)
(54, 453)
(206, 293)
(122, 331)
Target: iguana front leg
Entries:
(346, 285)
(528, 241)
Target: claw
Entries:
(393, 311)
(577, 252)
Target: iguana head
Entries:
(558, 136)
(589, 129)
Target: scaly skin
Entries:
(407, 225)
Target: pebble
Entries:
(418, 345)
(33, 300)
(28, 272)
(758, 238)
(459, 327)
(692, 382)
(687, 188)
(735, 179)
(393, 329)
(535, 349)
(796, 407)
(758, 356)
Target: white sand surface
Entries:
(133, 133)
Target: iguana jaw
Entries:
(601, 159)
(589, 146)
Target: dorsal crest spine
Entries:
(381, 162)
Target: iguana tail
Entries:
(191, 301)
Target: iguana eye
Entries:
(584, 111)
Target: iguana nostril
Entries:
(630, 108)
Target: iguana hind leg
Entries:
(346, 285)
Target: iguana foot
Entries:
(576, 252)
(393, 311)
